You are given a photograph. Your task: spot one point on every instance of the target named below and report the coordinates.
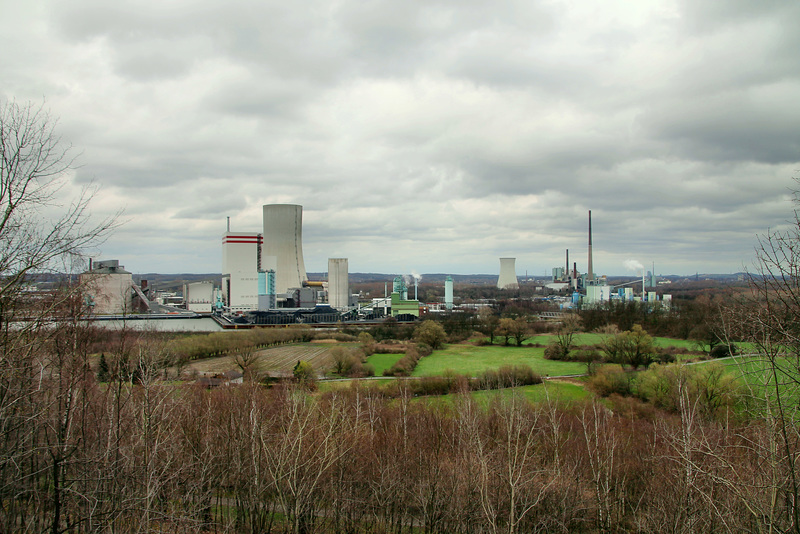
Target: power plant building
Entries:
(508, 274)
(283, 238)
(109, 288)
(199, 296)
(241, 252)
(598, 293)
(338, 283)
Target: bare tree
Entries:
(766, 318)
(39, 233)
(565, 335)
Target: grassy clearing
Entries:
(472, 360)
(383, 361)
(757, 375)
(596, 339)
(550, 389)
(336, 385)
(557, 391)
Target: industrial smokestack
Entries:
(590, 273)
(566, 266)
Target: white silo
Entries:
(283, 238)
(508, 274)
(448, 292)
(338, 283)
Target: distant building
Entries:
(108, 288)
(338, 283)
(508, 274)
(241, 252)
(596, 294)
(402, 306)
(199, 296)
(283, 239)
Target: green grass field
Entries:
(552, 390)
(383, 361)
(333, 385)
(472, 360)
(756, 373)
(555, 391)
(596, 339)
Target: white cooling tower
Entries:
(338, 283)
(283, 238)
(508, 274)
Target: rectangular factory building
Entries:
(199, 296)
(241, 253)
(338, 283)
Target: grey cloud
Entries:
(435, 133)
(731, 127)
(708, 16)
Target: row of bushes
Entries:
(217, 343)
(708, 386)
(336, 336)
(504, 377)
(351, 362)
(406, 365)
(595, 353)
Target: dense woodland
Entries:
(78, 456)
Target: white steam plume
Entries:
(633, 265)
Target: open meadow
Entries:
(756, 375)
(462, 358)
(472, 360)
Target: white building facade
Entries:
(241, 253)
(338, 283)
(199, 296)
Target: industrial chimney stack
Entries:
(590, 273)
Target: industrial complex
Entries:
(264, 281)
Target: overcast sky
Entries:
(433, 136)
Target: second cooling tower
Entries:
(508, 274)
(283, 238)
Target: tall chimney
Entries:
(590, 274)
(566, 267)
